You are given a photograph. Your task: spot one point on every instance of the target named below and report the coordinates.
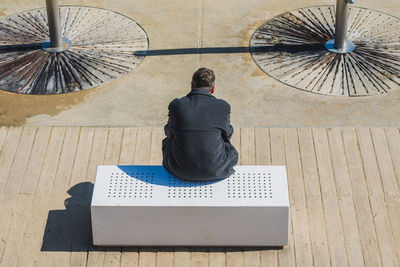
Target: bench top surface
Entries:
(120, 185)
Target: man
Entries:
(197, 146)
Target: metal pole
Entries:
(342, 18)
(53, 17)
(340, 44)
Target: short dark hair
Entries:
(203, 77)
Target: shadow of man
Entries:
(70, 229)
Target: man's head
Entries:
(204, 78)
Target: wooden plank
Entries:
(36, 161)
(393, 207)
(248, 151)
(371, 169)
(51, 160)
(73, 219)
(384, 232)
(128, 146)
(298, 203)
(8, 152)
(367, 232)
(374, 179)
(247, 146)
(327, 180)
(309, 162)
(113, 147)
(165, 256)
(61, 185)
(21, 160)
(147, 256)
(393, 203)
(155, 157)
(78, 189)
(335, 234)
(362, 206)
(143, 146)
(344, 192)
(354, 163)
(339, 163)
(181, 257)
(83, 151)
(384, 159)
(98, 152)
(64, 218)
(350, 229)
(30, 253)
(43, 200)
(129, 256)
(262, 146)
(277, 145)
(6, 212)
(216, 257)
(393, 139)
(112, 255)
(234, 256)
(67, 158)
(20, 216)
(33, 236)
(319, 241)
(286, 256)
(96, 254)
(293, 163)
(268, 257)
(199, 257)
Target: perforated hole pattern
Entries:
(182, 189)
(123, 185)
(140, 185)
(250, 185)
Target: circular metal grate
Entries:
(291, 49)
(102, 48)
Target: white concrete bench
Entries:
(145, 206)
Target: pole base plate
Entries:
(66, 44)
(349, 46)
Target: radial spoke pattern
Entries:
(103, 47)
(290, 48)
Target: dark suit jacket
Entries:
(197, 145)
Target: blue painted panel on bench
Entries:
(156, 174)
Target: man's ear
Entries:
(212, 89)
(191, 84)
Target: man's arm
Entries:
(167, 131)
(168, 128)
(228, 130)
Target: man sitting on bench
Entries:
(197, 146)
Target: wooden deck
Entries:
(343, 187)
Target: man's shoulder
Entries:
(174, 102)
(185, 99)
(223, 103)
